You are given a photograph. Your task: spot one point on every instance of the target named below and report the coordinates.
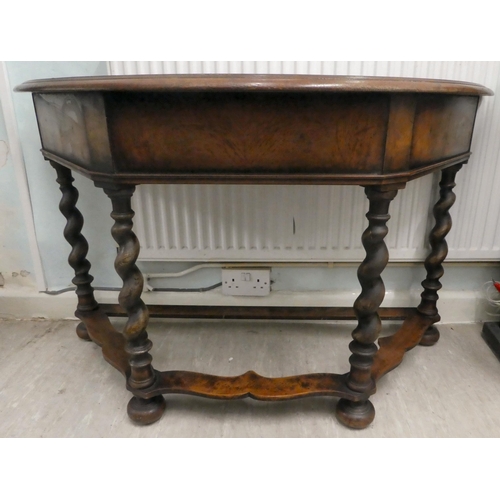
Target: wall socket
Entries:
(239, 281)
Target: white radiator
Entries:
(322, 223)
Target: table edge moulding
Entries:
(377, 133)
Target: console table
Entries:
(378, 133)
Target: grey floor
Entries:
(54, 385)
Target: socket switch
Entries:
(236, 281)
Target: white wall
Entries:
(16, 263)
(44, 191)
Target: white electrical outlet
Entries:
(246, 281)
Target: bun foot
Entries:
(356, 415)
(146, 411)
(431, 336)
(82, 332)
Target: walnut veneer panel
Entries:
(248, 133)
(73, 126)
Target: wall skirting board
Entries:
(455, 306)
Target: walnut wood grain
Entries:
(439, 248)
(399, 133)
(359, 414)
(250, 385)
(112, 342)
(439, 251)
(79, 246)
(442, 128)
(258, 312)
(388, 357)
(138, 345)
(74, 126)
(247, 134)
(251, 83)
(255, 129)
(134, 179)
(366, 306)
(393, 348)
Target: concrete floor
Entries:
(52, 384)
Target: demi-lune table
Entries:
(378, 133)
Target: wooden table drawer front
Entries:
(248, 133)
(263, 136)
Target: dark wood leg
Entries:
(430, 337)
(439, 250)
(82, 332)
(360, 414)
(142, 375)
(77, 258)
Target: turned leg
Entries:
(359, 415)
(439, 250)
(77, 258)
(142, 375)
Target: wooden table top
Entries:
(254, 83)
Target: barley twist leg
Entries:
(439, 250)
(142, 375)
(79, 246)
(359, 415)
